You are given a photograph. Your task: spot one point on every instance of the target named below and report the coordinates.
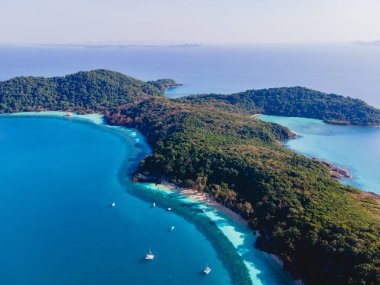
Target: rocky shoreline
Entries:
(335, 171)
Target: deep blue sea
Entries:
(58, 178)
(349, 70)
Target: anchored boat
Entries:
(149, 255)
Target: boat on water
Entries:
(153, 204)
(69, 114)
(113, 204)
(149, 255)
(207, 270)
(172, 228)
(169, 209)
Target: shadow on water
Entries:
(235, 258)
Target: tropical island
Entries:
(325, 232)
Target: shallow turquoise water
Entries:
(58, 178)
(354, 148)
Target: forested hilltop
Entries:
(294, 102)
(82, 92)
(325, 232)
(99, 89)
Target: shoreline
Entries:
(95, 118)
(117, 192)
(255, 115)
(218, 211)
(206, 200)
(190, 194)
(203, 198)
(336, 172)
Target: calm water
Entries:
(354, 148)
(58, 178)
(350, 70)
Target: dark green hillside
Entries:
(313, 222)
(81, 92)
(295, 102)
(163, 84)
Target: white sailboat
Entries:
(149, 255)
(207, 270)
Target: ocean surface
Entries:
(58, 179)
(349, 70)
(356, 149)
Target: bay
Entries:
(356, 149)
(58, 179)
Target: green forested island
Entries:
(294, 102)
(325, 232)
(82, 92)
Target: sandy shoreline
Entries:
(94, 118)
(195, 196)
(205, 199)
(255, 115)
(165, 186)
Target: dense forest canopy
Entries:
(81, 92)
(294, 102)
(318, 226)
(325, 232)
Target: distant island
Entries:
(373, 43)
(121, 45)
(325, 232)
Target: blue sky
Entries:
(189, 21)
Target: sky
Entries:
(189, 21)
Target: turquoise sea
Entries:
(59, 178)
(356, 149)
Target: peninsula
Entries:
(325, 232)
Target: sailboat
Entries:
(207, 270)
(149, 255)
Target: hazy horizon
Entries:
(188, 22)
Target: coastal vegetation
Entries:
(82, 92)
(325, 232)
(294, 102)
(315, 224)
